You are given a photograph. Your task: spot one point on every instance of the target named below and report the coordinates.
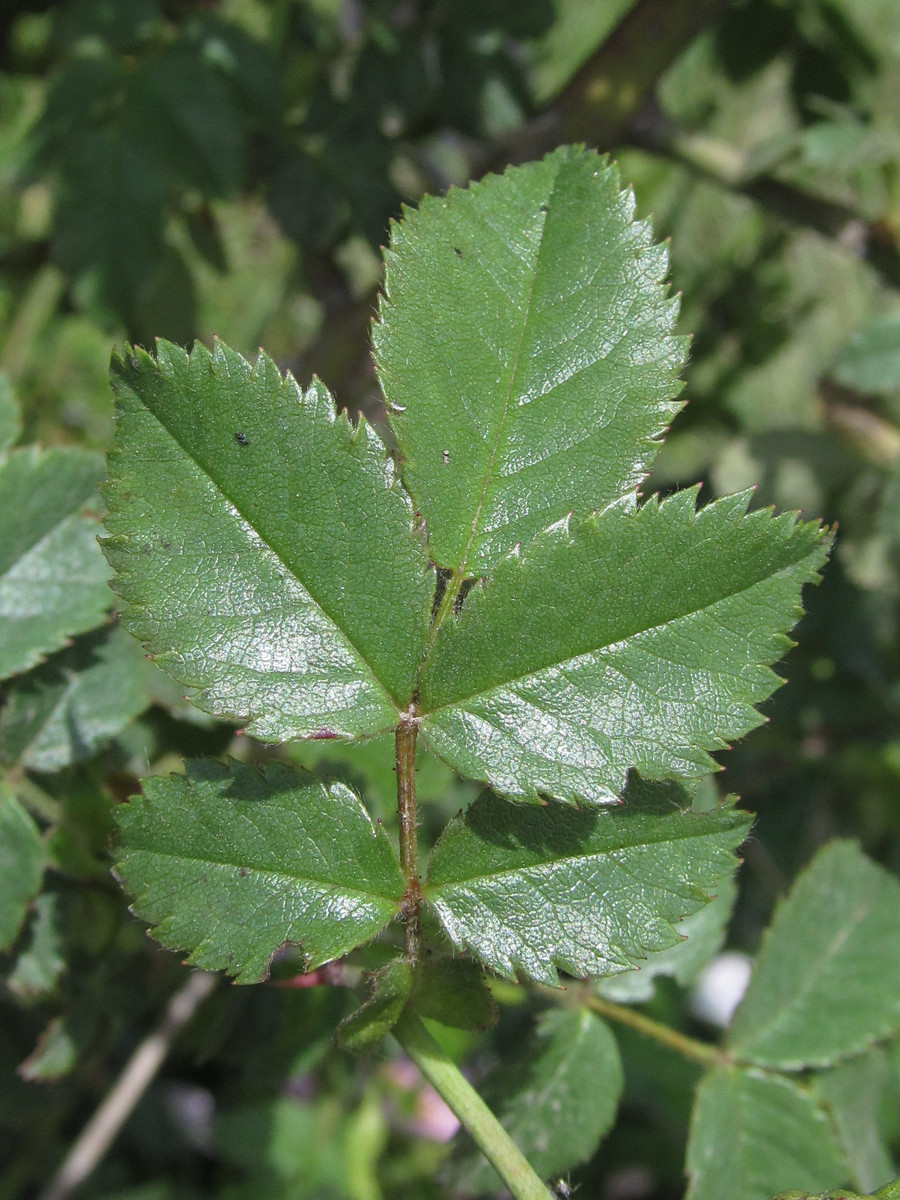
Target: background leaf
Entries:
(588, 891)
(63, 711)
(555, 368)
(754, 1134)
(853, 1092)
(558, 1099)
(52, 575)
(276, 571)
(10, 421)
(21, 865)
(870, 361)
(826, 983)
(642, 639)
(230, 864)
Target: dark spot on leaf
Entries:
(242, 439)
(457, 251)
(244, 872)
(544, 208)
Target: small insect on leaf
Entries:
(242, 439)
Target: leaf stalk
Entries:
(688, 1047)
(409, 833)
(489, 1135)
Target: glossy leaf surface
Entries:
(21, 865)
(703, 933)
(631, 639)
(588, 891)
(64, 710)
(827, 980)
(754, 1134)
(525, 350)
(263, 546)
(52, 574)
(557, 1100)
(231, 864)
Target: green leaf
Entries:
(557, 1100)
(10, 421)
(870, 361)
(63, 711)
(52, 574)
(754, 1134)
(703, 933)
(55, 1055)
(42, 960)
(524, 347)
(264, 546)
(301, 1142)
(21, 865)
(852, 1093)
(827, 980)
(391, 989)
(589, 891)
(231, 864)
(455, 992)
(642, 639)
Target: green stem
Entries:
(409, 834)
(491, 1138)
(697, 1051)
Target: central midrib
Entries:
(512, 679)
(268, 872)
(644, 842)
(220, 488)
(489, 474)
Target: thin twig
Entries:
(102, 1129)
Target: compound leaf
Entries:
(557, 1100)
(754, 1134)
(263, 545)
(827, 980)
(21, 865)
(231, 864)
(629, 639)
(589, 891)
(52, 574)
(525, 349)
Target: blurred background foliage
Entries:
(194, 168)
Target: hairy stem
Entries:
(688, 1047)
(491, 1138)
(98, 1135)
(409, 834)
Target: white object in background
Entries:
(721, 987)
